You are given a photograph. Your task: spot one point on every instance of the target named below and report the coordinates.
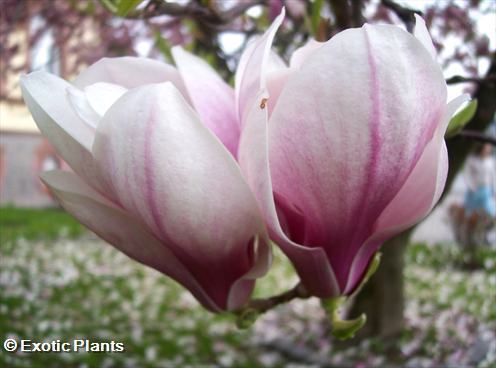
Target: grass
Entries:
(57, 285)
(450, 255)
(36, 224)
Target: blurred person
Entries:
(474, 221)
(481, 181)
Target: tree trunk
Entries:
(382, 299)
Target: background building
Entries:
(24, 153)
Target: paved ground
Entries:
(436, 228)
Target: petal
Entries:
(252, 68)
(212, 98)
(275, 63)
(92, 103)
(170, 171)
(414, 201)
(47, 100)
(119, 229)
(347, 131)
(103, 95)
(242, 289)
(422, 34)
(129, 72)
(301, 54)
(425, 183)
(276, 81)
(311, 263)
(82, 107)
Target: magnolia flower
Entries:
(345, 147)
(153, 151)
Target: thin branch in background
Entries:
(478, 136)
(238, 10)
(459, 79)
(207, 14)
(407, 15)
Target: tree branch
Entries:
(238, 10)
(407, 15)
(248, 314)
(195, 10)
(263, 305)
(459, 79)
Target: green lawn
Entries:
(32, 224)
(59, 282)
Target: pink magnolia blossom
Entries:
(345, 147)
(152, 152)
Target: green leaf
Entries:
(374, 265)
(346, 329)
(126, 6)
(316, 7)
(163, 46)
(109, 5)
(461, 119)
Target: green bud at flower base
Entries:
(346, 329)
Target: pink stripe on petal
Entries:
(149, 177)
(415, 199)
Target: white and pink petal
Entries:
(311, 264)
(416, 198)
(47, 99)
(422, 34)
(301, 54)
(169, 170)
(212, 98)
(346, 132)
(129, 72)
(91, 103)
(253, 67)
(121, 230)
